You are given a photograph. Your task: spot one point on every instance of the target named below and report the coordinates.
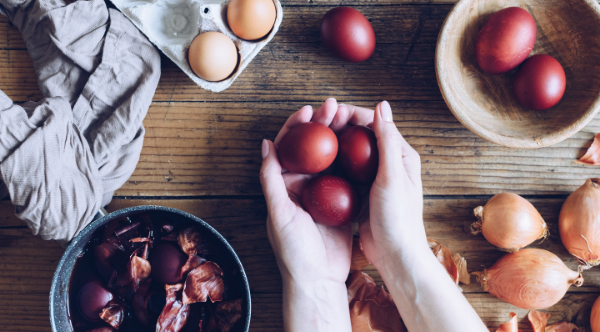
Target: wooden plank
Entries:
(288, 72)
(27, 263)
(295, 66)
(242, 223)
(28, 311)
(392, 24)
(214, 149)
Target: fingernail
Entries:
(386, 112)
(342, 105)
(265, 148)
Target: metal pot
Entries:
(59, 291)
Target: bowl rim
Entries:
(71, 254)
(480, 131)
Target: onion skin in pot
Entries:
(509, 222)
(595, 316)
(529, 279)
(579, 223)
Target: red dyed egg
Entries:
(331, 200)
(540, 83)
(308, 148)
(505, 40)
(358, 155)
(166, 261)
(93, 297)
(348, 34)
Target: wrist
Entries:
(320, 305)
(403, 258)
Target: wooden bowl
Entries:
(568, 30)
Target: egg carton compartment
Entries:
(172, 25)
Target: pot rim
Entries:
(69, 257)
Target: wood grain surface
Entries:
(201, 155)
(214, 149)
(28, 262)
(189, 143)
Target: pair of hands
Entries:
(391, 221)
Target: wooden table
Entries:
(202, 155)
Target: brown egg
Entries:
(213, 56)
(251, 19)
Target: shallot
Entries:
(509, 222)
(579, 223)
(529, 279)
(595, 316)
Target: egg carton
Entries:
(172, 25)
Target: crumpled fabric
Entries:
(62, 158)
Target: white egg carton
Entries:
(172, 25)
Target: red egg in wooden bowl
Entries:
(487, 105)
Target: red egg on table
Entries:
(93, 297)
(308, 148)
(506, 40)
(540, 83)
(358, 155)
(331, 200)
(167, 260)
(348, 34)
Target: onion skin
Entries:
(529, 279)
(579, 223)
(509, 222)
(595, 317)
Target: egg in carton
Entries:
(172, 25)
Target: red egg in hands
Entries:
(330, 200)
(358, 155)
(540, 83)
(167, 260)
(308, 148)
(348, 34)
(505, 40)
(93, 297)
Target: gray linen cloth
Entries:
(62, 158)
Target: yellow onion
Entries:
(529, 279)
(579, 223)
(595, 317)
(509, 222)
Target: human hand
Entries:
(394, 241)
(314, 259)
(394, 220)
(305, 251)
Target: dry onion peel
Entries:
(371, 310)
(538, 320)
(461, 266)
(511, 325)
(564, 327)
(579, 223)
(455, 265)
(529, 279)
(592, 156)
(509, 222)
(444, 256)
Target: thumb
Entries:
(270, 176)
(389, 143)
